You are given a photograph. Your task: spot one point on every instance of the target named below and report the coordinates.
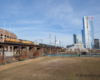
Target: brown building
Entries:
(6, 34)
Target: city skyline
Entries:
(34, 20)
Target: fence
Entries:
(13, 56)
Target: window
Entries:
(5, 36)
(1, 36)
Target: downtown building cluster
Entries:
(87, 38)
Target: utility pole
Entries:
(50, 38)
(50, 42)
(13, 32)
(9, 31)
(3, 41)
(60, 44)
(55, 40)
(55, 43)
(4, 32)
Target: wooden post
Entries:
(26, 52)
(19, 52)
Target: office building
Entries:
(88, 33)
(77, 39)
(57, 43)
(74, 38)
(96, 43)
(7, 34)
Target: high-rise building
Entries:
(88, 32)
(57, 43)
(74, 38)
(77, 39)
(96, 43)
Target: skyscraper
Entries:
(88, 32)
(96, 43)
(74, 38)
(77, 39)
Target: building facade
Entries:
(78, 45)
(88, 33)
(6, 34)
(77, 39)
(57, 43)
(96, 43)
(74, 38)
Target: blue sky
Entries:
(37, 19)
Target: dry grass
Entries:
(52, 68)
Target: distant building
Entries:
(77, 39)
(77, 48)
(7, 34)
(99, 45)
(96, 43)
(68, 46)
(78, 45)
(88, 33)
(57, 43)
(74, 38)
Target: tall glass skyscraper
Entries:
(88, 32)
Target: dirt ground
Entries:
(53, 68)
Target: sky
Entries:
(38, 19)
